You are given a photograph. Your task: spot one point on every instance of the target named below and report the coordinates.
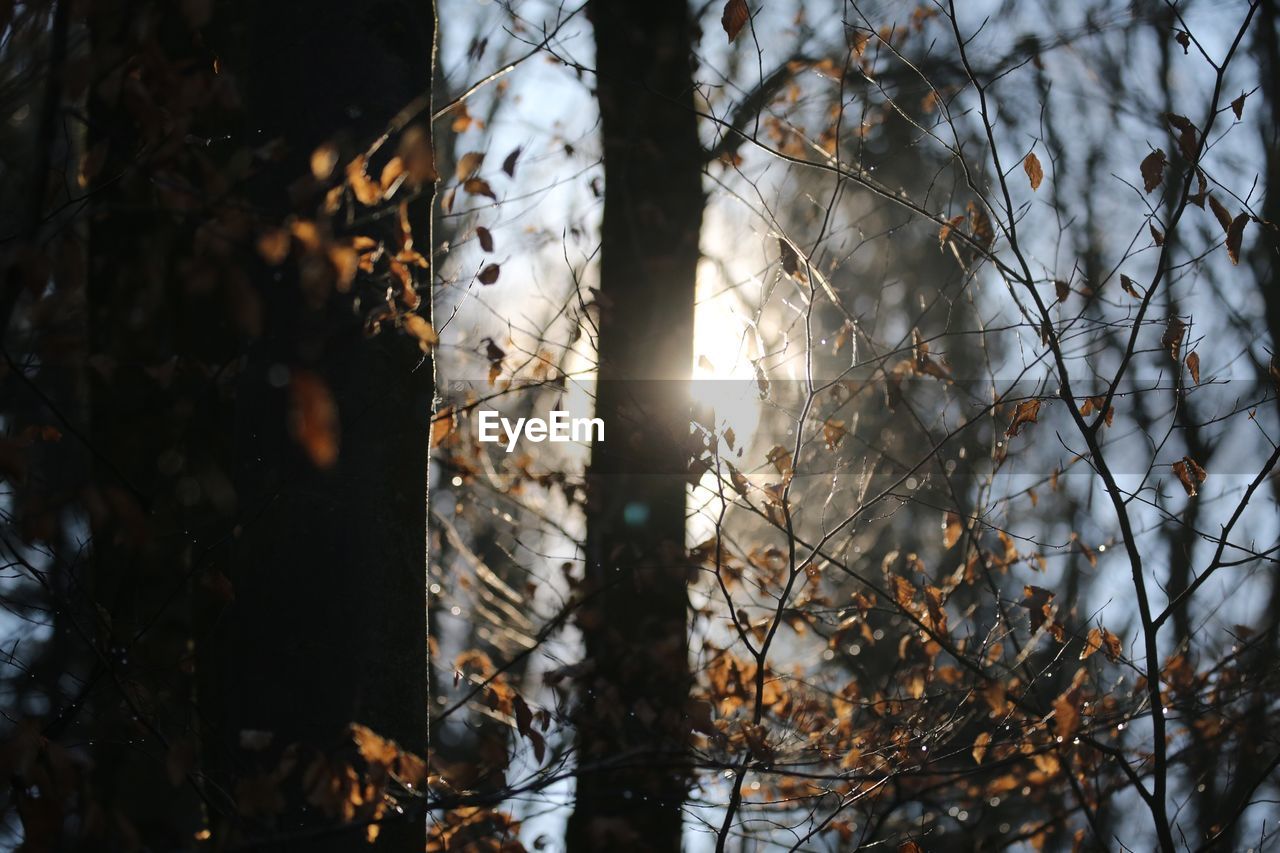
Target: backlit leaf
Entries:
(417, 326)
(323, 161)
(1193, 365)
(980, 744)
(952, 529)
(468, 165)
(313, 418)
(1092, 643)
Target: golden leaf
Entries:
(366, 191)
(391, 173)
(952, 528)
(980, 744)
(417, 326)
(313, 417)
(944, 233)
(323, 161)
(273, 246)
(1092, 643)
(1066, 714)
(904, 592)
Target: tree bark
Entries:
(631, 723)
(328, 626)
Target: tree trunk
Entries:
(328, 624)
(631, 724)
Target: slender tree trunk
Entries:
(328, 624)
(631, 724)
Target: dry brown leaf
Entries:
(479, 186)
(980, 744)
(323, 161)
(313, 418)
(1035, 174)
(858, 41)
(1189, 474)
(485, 237)
(1237, 106)
(468, 165)
(735, 17)
(442, 425)
(1171, 340)
(1235, 234)
(366, 191)
(1153, 169)
(781, 459)
(1092, 643)
(904, 592)
(952, 529)
(1026, 413)
(418, 156)
(1221, 212)
(980, 225)
(273, 246)
(944, 233)
(1193, 365)
(1066, 715)
(391, 173)
(1111, 645)
(489, 274)
(417, 326)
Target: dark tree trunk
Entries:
(328, 623)
(631, 724)
(157, 496)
